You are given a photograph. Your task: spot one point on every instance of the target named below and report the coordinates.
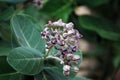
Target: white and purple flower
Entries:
(63, 37)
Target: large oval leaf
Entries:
(103, 27)
(62, 10)
(25, 60)
(26, 32)
(94, 3)
(50, 74)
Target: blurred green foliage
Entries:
(101, 27)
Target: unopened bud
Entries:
(69, 56)
(74, 49)
(75, 69)
(54, 40)
(69, 25)
(43, 33)
(66, 73)
(76, 57)
(66, 68)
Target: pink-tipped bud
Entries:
(69, 56)
(75, 69)
(76, 57)
(54, 40)
(69, 25)
(61, 43)
(72, 31)
(66, 73)
(66, 68)
(74, 49)
(43, 33)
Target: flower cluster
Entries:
(63, 37)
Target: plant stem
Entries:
(47, 52)
(56, 58)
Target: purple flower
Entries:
(54, 40)
(74, 49)
(66, 73)
(43, 33)
(64, 52)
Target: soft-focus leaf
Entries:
(5, 68)
(116, 60)
(94, 2)
(26, 60)
(80, 78)
(103, 27)
(63, 13)
(5, 31)
(61, 10)
(26, 32)
(4, 48)
(13, 1)
(6, 14)
(57, 67)
(50, 74)
(12, 76)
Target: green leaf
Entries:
(50, 74)
(52, 63)
(5, 31)
(94, 2)
(26, 32)
(63, 13)
(13, 1)
(116, 60)
(5, 68)
(57, 67)
(103, 27)
(6, 14)
(26, 60)
(80, 78)
(4, 48)
(12, 76)
(61, 10)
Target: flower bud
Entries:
(75, 69)
(61, 43)
(76, 57)
(69, 56)
(66, 68)
(54, 40)
(58, 23)
(78, 36)
(66, 73)
(71, 32)
(69, 25)
(65, 35)
(64, 52)
(43, 33)
(74, 49)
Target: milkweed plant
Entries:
(51, 54)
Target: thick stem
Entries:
(56, 58)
